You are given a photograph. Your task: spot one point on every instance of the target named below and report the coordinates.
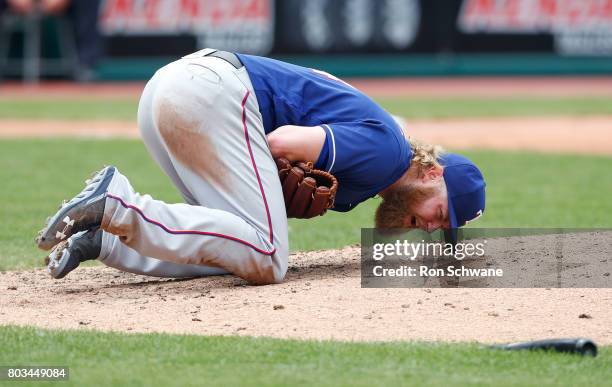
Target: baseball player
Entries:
(215, 122)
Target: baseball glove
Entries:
(308, 192)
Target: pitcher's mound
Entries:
(321, 299)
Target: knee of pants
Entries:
(268, 277)
(273, 272)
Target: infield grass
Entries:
(524, 190)
(114, 359)
(125, 108)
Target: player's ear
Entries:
(435, 172)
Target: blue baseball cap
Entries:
(466, 189)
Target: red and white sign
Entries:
(579, 26)
(238, 25)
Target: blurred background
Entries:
(88, 40)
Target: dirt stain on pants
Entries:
(189, 145)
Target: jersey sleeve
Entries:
(365, 156)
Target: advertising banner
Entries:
(235, 25)
(268, 27)
(348, 25)
(581, 27)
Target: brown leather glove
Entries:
(308, 192)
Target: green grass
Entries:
(133, 359)
(125, 108)
(524, 190)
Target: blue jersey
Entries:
(364, 148)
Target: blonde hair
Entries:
(425, 156)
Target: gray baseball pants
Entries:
(200, 121)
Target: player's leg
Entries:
(120, 256)
(97, 244)
(210, 125)
(269, 269)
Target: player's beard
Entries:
(398, 204)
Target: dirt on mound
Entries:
(321, 298)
